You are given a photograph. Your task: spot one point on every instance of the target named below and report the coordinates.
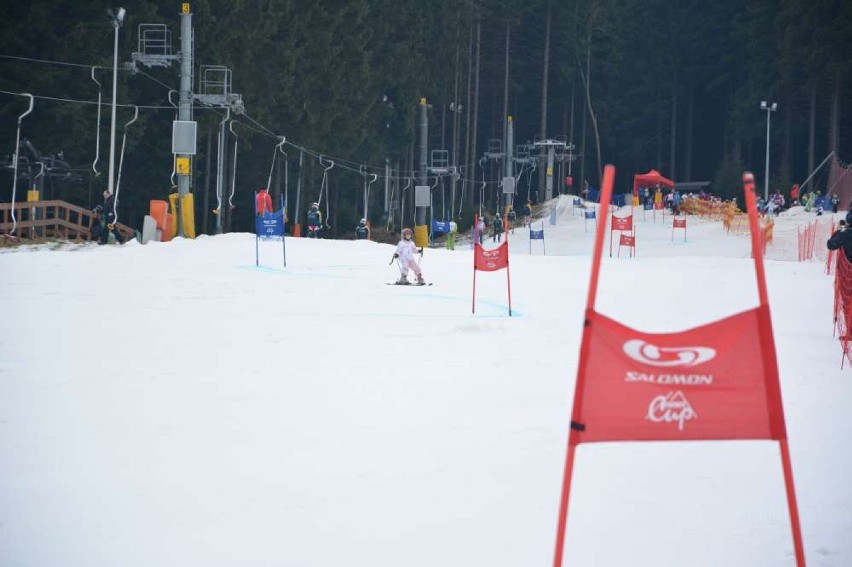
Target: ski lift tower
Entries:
(155, 50)
(439, 165)
(494, 151)
(508, 183)
(551, 145)
(567, 155)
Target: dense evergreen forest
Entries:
(674, 85)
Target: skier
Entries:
(314, 221)
(362, 231)
(263, 203)
(511, 215)
(497, 227)
(527, 214)
(405, 252)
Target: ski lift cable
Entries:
(274, 155)
(120, 164)
(369, 188)
(390, 201)
(98, 133)
(17, 150)
(220, 151)
(324, 188)
(234, 167)
(401, 199)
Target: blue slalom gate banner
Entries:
(553, 217)
(538, 235)
(268, 227)
(440, 227)
(586, 216)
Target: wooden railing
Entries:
(51, 219)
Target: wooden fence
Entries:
(51, 220)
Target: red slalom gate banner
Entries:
(622, 224)
(628, 240)
(491, 261)
(704, 383)
(679, 223)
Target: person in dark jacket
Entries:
(527, 211)
(362, 231)
(497, 226)
(98, 228)
(107, 219)
(511, 216)
(314, 221)
(842, 238)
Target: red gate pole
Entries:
(606, 190)
(773, 390)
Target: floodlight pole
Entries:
(768, 107)
(117, 20)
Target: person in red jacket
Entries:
(263, 203)
(794, 195)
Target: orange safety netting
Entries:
(808, 236)
(843, 304)
(707, 209)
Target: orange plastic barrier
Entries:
(159, 210)
(169, 229)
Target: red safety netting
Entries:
(808, 235)
(843, 304)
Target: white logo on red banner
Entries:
(647, 353)
(671, 408)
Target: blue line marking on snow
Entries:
(290, 272)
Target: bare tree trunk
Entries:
(466, 172)
(456, 121)
(587, 82)
(673, 137)
(690, 117)
(475, 111)
(544, 76)
(811, 132)
(506, 80)
(784, 169)
(834, 123)
(659, 139)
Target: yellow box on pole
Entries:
(182, 166)
(184, 8)
(32, 195)
(421, 236)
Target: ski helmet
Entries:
(406, 232)
(363, 221)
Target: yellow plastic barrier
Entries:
(421, 236)
(187, 213)
(173, 199)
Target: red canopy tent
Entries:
(650, 179)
